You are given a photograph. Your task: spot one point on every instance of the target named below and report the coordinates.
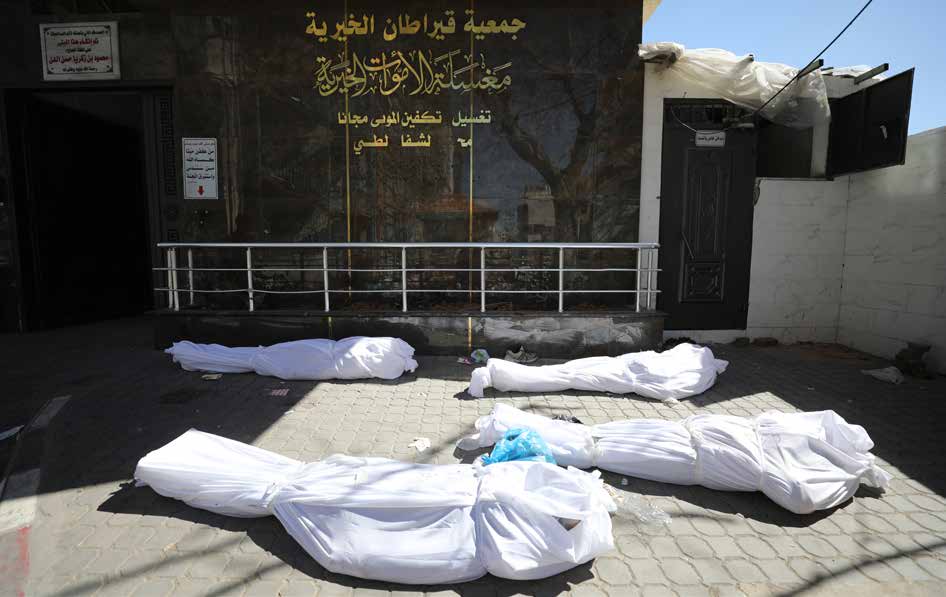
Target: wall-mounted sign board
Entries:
(711, 139)
(200, 167)
(80, 51)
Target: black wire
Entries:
(836, 37)
(674, 114)
(677, 118)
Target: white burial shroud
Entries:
(802, 461)
(396, 521)
(357, 357)
(684, 370)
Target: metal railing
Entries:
(644, 289)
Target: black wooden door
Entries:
(706, 200)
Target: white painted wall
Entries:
(797, 247)
(894, 286)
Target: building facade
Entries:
(327, 122)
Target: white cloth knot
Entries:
(276, 487)
(696, 441)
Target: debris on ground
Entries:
(624, 481)
(888, 374)
(644, 511)
(10, 432)
(765, 341)
(910, 360)
(477, 357)
(634, 506)
(567, 419)
(672, 342)
(420, 444)
(211, 376)
(741, 341)
(519, 444)
(521, 356)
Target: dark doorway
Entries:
(706, 200)
(82, 208)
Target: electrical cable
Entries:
(836, 37)
(677, 118)
(784, 87)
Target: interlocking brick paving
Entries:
(93, 533)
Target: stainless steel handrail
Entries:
(644, 290)
(385, 245)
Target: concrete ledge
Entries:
(556, 335)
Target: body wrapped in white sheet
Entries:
(357, 357)
(802, 461)
(394, 521)
(684, 370)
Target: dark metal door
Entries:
(706, 201)
(87, 227)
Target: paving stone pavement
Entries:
(94, 533)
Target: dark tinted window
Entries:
(869, 128)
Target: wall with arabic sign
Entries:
(367, 120)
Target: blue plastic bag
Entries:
(520, 444)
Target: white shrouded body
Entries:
(394, 521)
(684, 370)
(802, 461)
(357, 357)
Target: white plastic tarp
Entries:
(357, 357)
(394, 521)
(748, 83)
(802, 461)
(684, 370)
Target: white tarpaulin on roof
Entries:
(748, 83)
(801, 461)
(396, 521)
(684, 370)
(357, 357)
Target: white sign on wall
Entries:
(80, 51)
(200, 167)
(711, 139)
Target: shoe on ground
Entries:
(521, 356)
